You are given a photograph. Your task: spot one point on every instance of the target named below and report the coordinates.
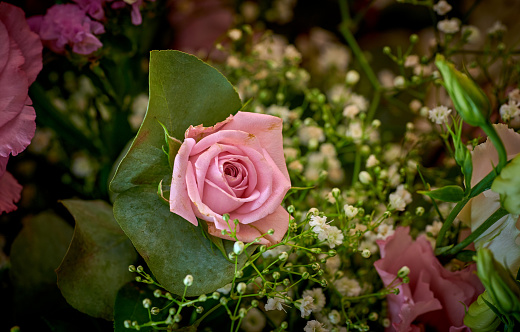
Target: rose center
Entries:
(231, 170)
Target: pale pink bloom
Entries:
(68, 25)
(435, 298)
(20, 63)
(503, 238)
(235, 167)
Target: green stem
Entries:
(449, 220)
(351, 41)
(498, 214)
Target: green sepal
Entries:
(450, 193)
(507, 184)
(442, 250)
(466, 256)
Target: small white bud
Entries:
(352, 77)
(188, 280)
(241, 288)
(238, 247)
(365, 177)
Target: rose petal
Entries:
(180, 203)
(200, 131)
(268, 130)
(250, 212)
(220, 201)
(228, 137)
(278, 220)
(10, 193)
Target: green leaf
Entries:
(446, 194)
(466, 255)
(184, 91)
(36, 252)
(129, 306)
(171, 246)
(96, 264)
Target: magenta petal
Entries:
(180, 203)
(10, 193)
(17, 133)
(27, 41)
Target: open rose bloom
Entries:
(235, 167)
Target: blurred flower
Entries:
(20, 63)
(137, 19)
(400, 198)
(472, 33)
(254, 321)
(439, 114)
(510, 110)
(92, 7)
(67, 25)
(503, 237)
(275, 303)
(314, 326)
(348, 287)
(497, 28)
(449, 26)
(442, 7)
(411, 61)
(435, 298)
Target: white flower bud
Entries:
(365, 177)
(352, 77)
(241, 288)
(188, 280)
(238, 247)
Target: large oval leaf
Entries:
(184, 91)
(96, 264)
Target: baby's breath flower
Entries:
(497, 28)
(350, 111)
(372, 161)
(365, 177)
(307, 305)
(514, 95)
(309, 133)
(415, 105)
(442, 7)
(225, 290)
(350, 211)
(355, 131)
(318, 223)
(317, 296)
(314, 326)
(235, 34)
(411, 61)
(275, 303)
(384, 231)
(254, 321)
(439, 114)
(399, 82)
(352, 77)
(472, 33)
(449, 26)
(332, 235)
(510, 110)
(347, 286)
(400, 198)
(296, 166)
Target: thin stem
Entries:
(351, 41)
(497, 215)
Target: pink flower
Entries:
(435, 297)
(137, 19)
(68, 25)
(92, 7)
(235, 167)
(20, 63)
(503, 238)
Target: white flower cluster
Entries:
(400, 198)
(439, 114)
(331, 234)
(511, 109)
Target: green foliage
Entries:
(450, 193)
(480, 317)
(129, 306)
(95, 266)
(507, 184)
(37, 251)
(184, 91)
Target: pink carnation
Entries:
(68, 25)
(137, 19)
(20, 63)
(435, 297)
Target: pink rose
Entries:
(503, 238)
(235, 167)
(20, 63)
(435, 297)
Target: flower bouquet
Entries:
(271, 183)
